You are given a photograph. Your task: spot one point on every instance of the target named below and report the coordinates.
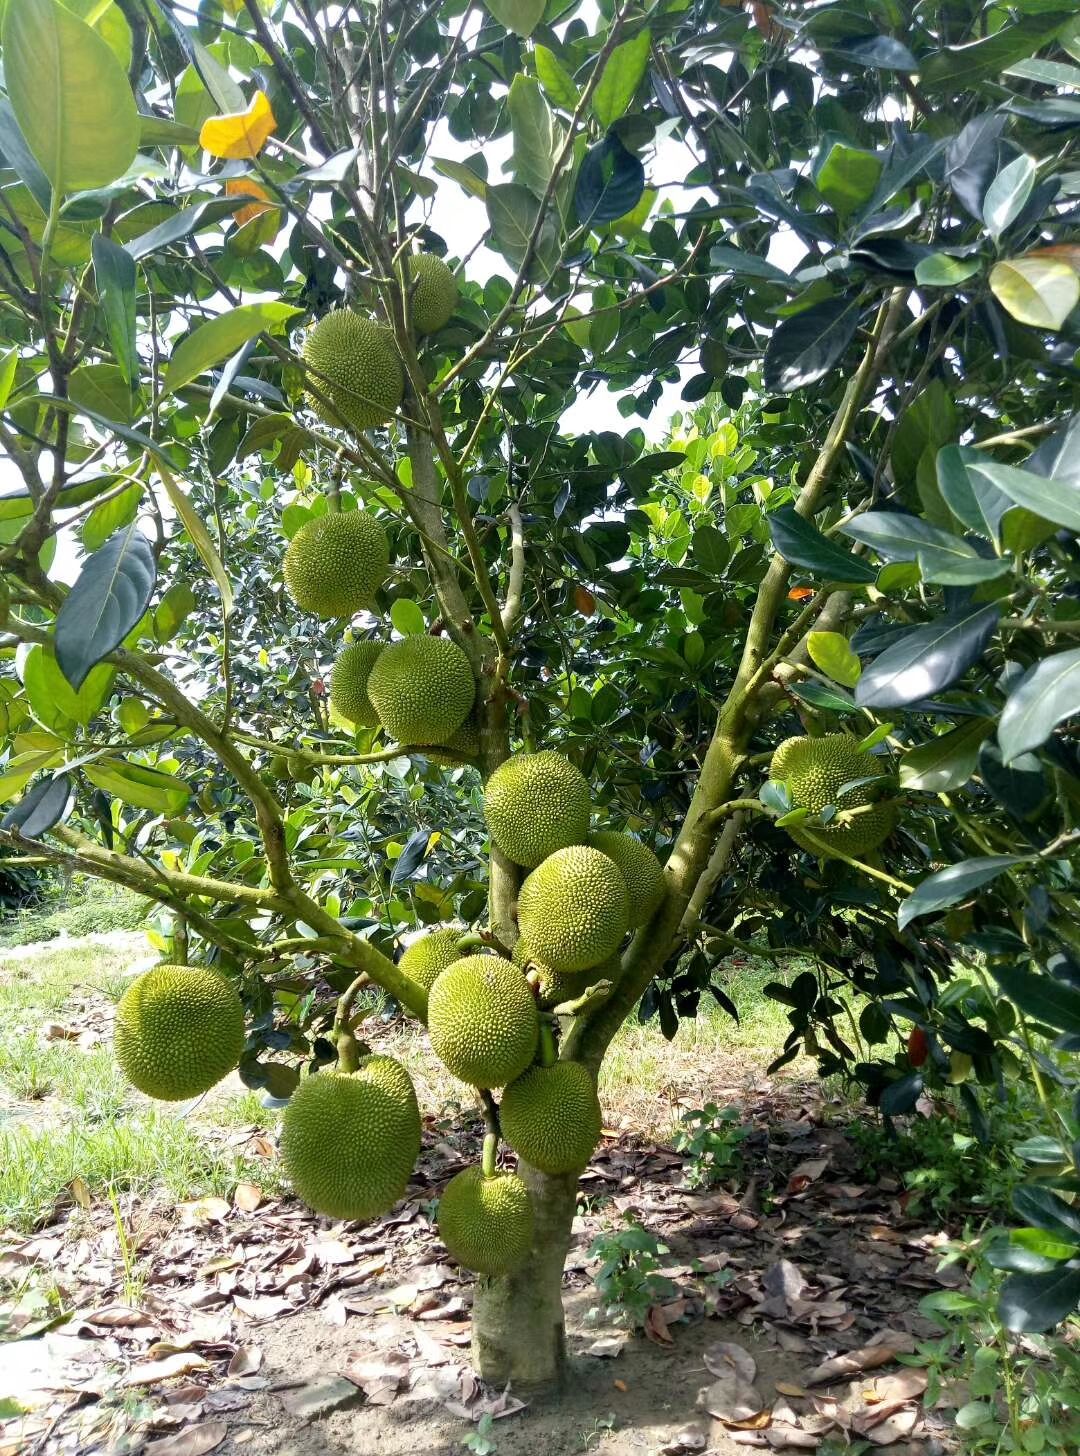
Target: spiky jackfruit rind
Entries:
(336, 563)
(179, 1030)
(551, 1117)
(574, 909)
(483, 1021)
(815, 770)
(436, 293)
(486, 1223)
(422, 689)
(349, 1141)
(534, 804)
(640, 868)
(465, 743)
(355, 367)
(348, 683)
(431, 954)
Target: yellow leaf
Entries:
(240, 135)
(1041, 292)
(248, 187)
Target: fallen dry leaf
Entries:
(380, 1377)
(656, 1327)
(724, 1356)
(805, 1174)
(621, 1386)
(732, 1399)
(897, 1428)
(247, 1196)
(261, 1306)
(153, 1372)
(247, 1360)
(880, 1351)
(689, 1439)
(194, 1441)
(202, 1211)
(783, 1437)
(607, 1347)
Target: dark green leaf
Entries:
(901, 1096)
(950, 886)
(926, 659)
(114, 274)
(806, 346)
(897, 535)
(1045, 1209)
(609, 183)
(879, 53)
(45, 805)
(110, 596)
(1031, 1303)
(1041, 996)
(947, 761)
(1047, 694)
(800, 542)
(971, 498)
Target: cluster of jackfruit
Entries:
(817, 772)
(355, 378)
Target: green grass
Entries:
(87, 906)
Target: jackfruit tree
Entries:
(362, 609)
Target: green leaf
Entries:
(159, 131)
(463, 174)
(134, 783)
(953, 884)
(114, 274)
(901, 1096)
(512, 211)
(620, 78)
(959, 565)
(175, 606)
(1008, 193)
(846, 176)
(1041, 996)
(832, 653)
(1041, 1150)
(802, 544)
(8, 365)
(530, 121)
(1041, 292)
(926, 659)
(103, 389)
(554, 78)
(222, 336)
(53, 701)
(1050, 73)
(1031, 1303)
(942, 271)
(899, 536)
(806, 346)
(199, 534)
(45, 805)
(407, 618)
(726, 259)
(947, 761)
(109, 598)
(1047, 1210)
(957, 68)
(109, 517)
(519, 16)
(70, 96)
(610, 183)
(971, 498)
(1047, 694)
(21, 769)
(1057, 499)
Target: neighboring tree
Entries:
(874, 534)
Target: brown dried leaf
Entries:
(380, 1377)
(897, 1428)
(194, 1441)
(246, 1361)
(881, 1350)
(724, 1356)
(656, 1327)
(261, 1306)
(153, 1372)
(80, 1191)
(783, 1437)
(806, 1173)
(608, 1347)
(247, 1197)
(732, 1399)
(203, 1211)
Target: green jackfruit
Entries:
(355, 366)
(483, 1020)
(336, 563)
(435, 295)
(642, 871)
(179, 1030)
(349, 1141)
(551, 1117)
(815, 770)
(422, 689)
(574, 909)
(486, 1223)
(430, 954)
(348, 683)
(534, 804)
(465, 743)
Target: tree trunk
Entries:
(518, 1331)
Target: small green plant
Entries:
(1023, 1393)
(628, 1280)
(599, 1428)
(481, 1442)
(710, 1139)
(134, 1278)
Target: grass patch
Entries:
(87, 906)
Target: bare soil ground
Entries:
(243, 1323)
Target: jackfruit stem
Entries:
(350, 1051)
(547, 1044)
(491, 1149)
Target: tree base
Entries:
(519, 1331)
